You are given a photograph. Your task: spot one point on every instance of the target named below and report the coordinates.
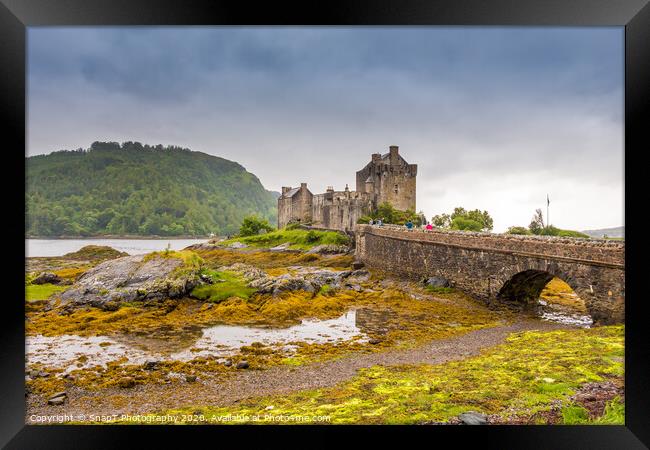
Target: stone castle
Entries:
(386, 178)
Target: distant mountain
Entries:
(136, 189)
(275, 194)
(615, 232)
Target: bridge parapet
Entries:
(498, 267)
(595, 251)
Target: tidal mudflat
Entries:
(289, 334)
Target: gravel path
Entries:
(277, 380)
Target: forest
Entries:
(136, 189)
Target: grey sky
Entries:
(495, 118)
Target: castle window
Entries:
(396, 188)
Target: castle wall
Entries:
(285, 211)
(397, 187)
(295, 208)
(340, 210)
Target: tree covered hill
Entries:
(140, 189)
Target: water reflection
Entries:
(220, 341)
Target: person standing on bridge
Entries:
(409, 225)
(429, 226)
(371, 222)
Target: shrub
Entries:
(518, 230)
(252, 225)
(463, 223)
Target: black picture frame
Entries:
(16, 15)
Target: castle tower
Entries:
(390, 178)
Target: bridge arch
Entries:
(525, 287)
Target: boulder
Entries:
(151, 365)
(130, 278)
(473, 418)
(437, 282)
(46, 277)
(329, 249)
(242, 365)
(281, 247)
(57, 399)
(245, 270)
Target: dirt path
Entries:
(276, 380)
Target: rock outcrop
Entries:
(131, 278)
(298, 279)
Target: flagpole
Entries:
(548, 219)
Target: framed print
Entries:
(380, 218)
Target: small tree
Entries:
(441, 221)
(252, 225)
(537, 223)
(463, 223)
(461, 219)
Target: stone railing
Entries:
(600, 251)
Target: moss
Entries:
(95, 252)
(272, 260)
(614, 413)
(71, 273)
(113, 375)
(504, 381)
(225, 285)
(34, 292)
(558, 292)
(299, 239)
(574, 415)
(190, 259)
(439, 289)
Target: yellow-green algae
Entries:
(518, 378)
(35, 292)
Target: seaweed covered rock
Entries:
(95, 252)
(245, 270)
(329, 249)
(46, 277)
(131, 278)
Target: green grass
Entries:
(614, 414)
(574, 415)
(226, 285)
(440, 290)
(41, 291)
(520, 377)
(299, 239)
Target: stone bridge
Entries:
(497, 267)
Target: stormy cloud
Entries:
(496, 118)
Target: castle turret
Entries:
(390, 179)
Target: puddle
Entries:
(219, 341)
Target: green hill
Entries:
(139, 189)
